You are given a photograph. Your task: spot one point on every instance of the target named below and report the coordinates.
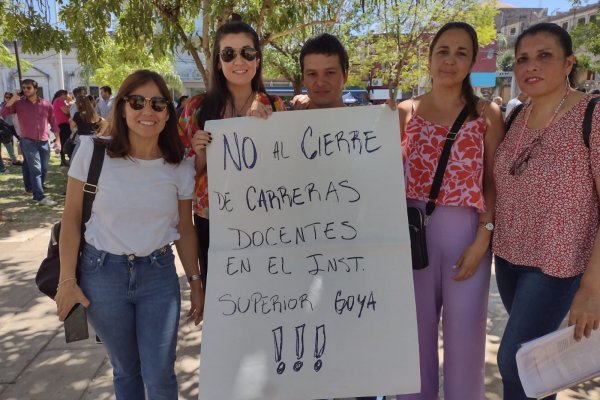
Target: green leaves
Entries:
(116, 36)
(587, 37)
(395, 35)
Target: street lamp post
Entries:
(61, 78)
(18, 62)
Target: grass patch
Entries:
(19, 209)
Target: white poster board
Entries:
(310, 290)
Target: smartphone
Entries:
(76, 327)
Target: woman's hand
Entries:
(200, 140)
(470, 259)
(258, 109)
(69, 294)
(196, 312)
(585, 311)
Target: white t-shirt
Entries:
(136, 208)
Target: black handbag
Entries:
(6, 132)
(417, 220)
(47, 275)
(69, 145)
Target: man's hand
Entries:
(300, 102)
(16, 96)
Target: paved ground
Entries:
(35, 362)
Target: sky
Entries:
(551, 5)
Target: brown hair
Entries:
(168, 140)
(86, 110)
(468, 93)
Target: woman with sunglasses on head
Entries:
(235, 89)
(455, 284)
(128, 281)
(546, 245)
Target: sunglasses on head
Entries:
(137, 102)
(228, 54)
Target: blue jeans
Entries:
(36, 154)
(536, 304)
(134, 308)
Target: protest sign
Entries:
(310, 291)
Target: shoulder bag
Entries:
(47, 275)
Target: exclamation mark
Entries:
(299, 347)
(320, 340)
(278, 337)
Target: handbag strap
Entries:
(90, 188)
(441, 168)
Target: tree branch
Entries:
(187, 42)
(269, 38)
(265, 8)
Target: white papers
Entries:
(556, 361)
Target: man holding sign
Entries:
(324, 63)
(310, 253)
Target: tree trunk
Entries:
(297, 84)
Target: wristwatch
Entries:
(488, 226)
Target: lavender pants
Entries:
(462, 306)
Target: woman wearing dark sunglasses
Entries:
(128, 281)
(546, 243)
(235, 89)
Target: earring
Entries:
(568, 83)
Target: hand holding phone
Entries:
(76, 327)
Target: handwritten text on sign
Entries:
(310, 291)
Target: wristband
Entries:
(194, 277)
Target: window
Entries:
(513, 31)
(592, 18)
(581, 21)
(565, 25)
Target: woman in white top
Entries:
(128, 281)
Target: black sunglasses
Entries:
(137, 102)
(228, 54)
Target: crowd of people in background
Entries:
(511, 205)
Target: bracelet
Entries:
(195, 277)
(65, 280)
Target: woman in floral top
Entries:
(455, 285)
(236, 89)
(546, 244)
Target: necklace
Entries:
(236, 112)
(529, 108)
